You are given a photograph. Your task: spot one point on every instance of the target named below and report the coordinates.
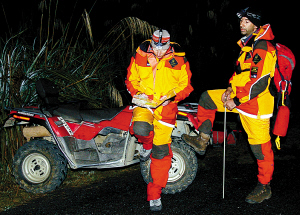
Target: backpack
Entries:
(285, 65)
(280, 87)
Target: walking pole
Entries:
(224, 153)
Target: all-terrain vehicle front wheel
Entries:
(182, 172)
(39, 166)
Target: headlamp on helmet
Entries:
(253, 15)
(160, 40)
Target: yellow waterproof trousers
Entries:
(159, 140)
(162, 128)
(258, 130)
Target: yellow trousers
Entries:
(258, 130)
(159, 140)
(162, 118)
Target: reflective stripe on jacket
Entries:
(255, 67)
(171, 72)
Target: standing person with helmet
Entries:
(157, 71)
(248, 94)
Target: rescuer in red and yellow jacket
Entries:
(251, 79)
(158, 73)
(248, 95)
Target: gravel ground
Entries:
(126, 193)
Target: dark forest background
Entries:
(207, 30)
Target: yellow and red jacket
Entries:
(156, 77)
(254, 70)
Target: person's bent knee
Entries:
(142, 128)
(257, 151)
(159, 152)
(206, 102)
(204, 96)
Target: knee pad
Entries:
(159, 152)
(257, 151)
(206, 102)
(142, 128)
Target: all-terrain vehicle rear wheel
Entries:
(182, 172)
(39, 166)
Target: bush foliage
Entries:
(81, 67)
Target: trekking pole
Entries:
(224, 153)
